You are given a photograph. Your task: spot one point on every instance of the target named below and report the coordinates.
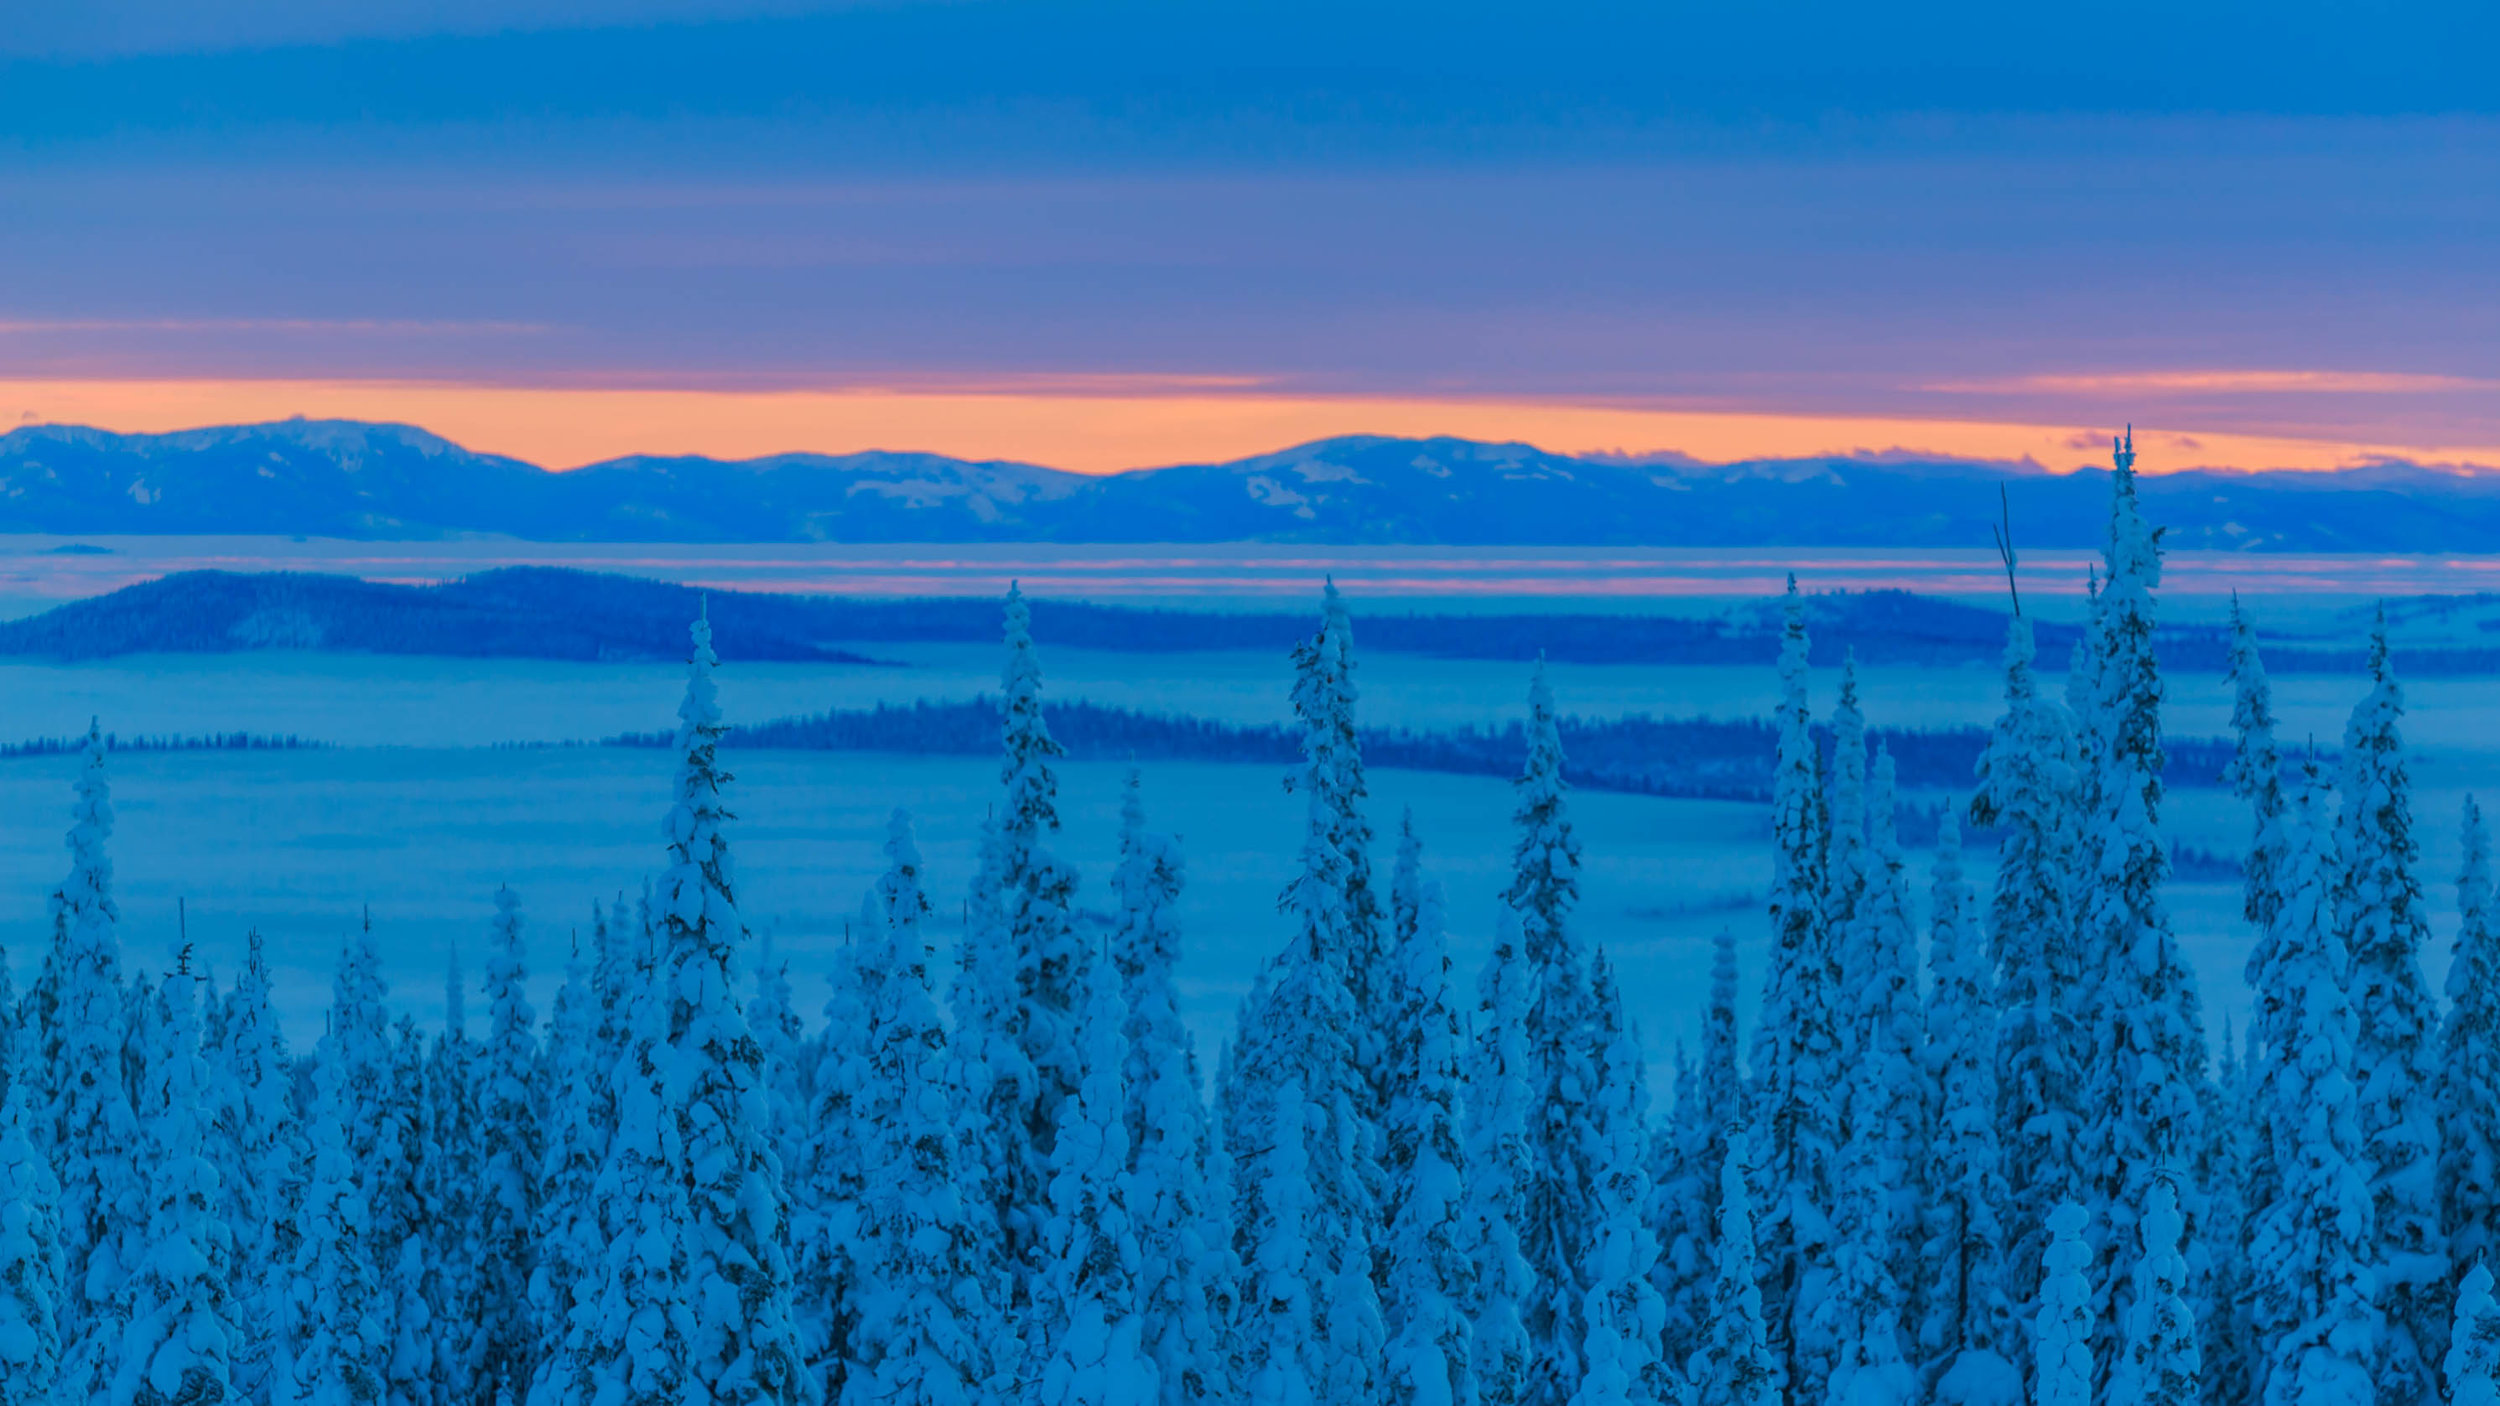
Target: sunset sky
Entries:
(1111, 234)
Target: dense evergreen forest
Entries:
(1976, 1150)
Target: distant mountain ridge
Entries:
(336, 478)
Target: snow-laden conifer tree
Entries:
(789, 1066)
(741, 1345)
(1864, 1313)
(2313, 1282)
(1691, 1152)
(176, 1317)
(987, 1064)
(94, 1137)
(512, 1151)
(2255, 774)
(1545, 884)
(1037, 896)
(2473, 1365)
(1498, 1096)
(2158, 1360)
(1308, 1024)
(2379, 908)
(1796, 1064)
(341, 1351)
(619, 973)
(446, 1138)
(569, 1249)
(1879, 969)
(30, 1261)
(1432, 1279)
(1324, 699)
(1968, 1341)
(1166, 1123)
(1281, 1351)
(1353, 1338)
(1087, 1336)
(1734, 1365)
(2147, 1039)
(432, 1194)
(1621, 1316)
(2027, 792)
(258, 1147)
(828, 1224)
(2469, 1088)
(2062, 1335)
(627, 1341)
(926, 1314)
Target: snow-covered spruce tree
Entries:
(827, 1225)
(1968, 1338)
(564, 1270)
(2228, 1370)
(258, 1147)
(2255, 774)
(1796, 1061)
(741, 1344)
(2141, 1083)
(1324, 699)
(30, 1261)
(1621, 1315)
(2469, 1074)
(512, 1153)
(1733, 1366)
(1498, 1096)
(2027, 793)
(341, 1348)
(1880, 970)
(2379, 908)
(1086, 1337)
(1166, 1123)
(1037, 896)
(447, 1162)
(925, 1322)
(1281, 1350)
(432, 1197)
(1689, 1153)
(2062, 1335)
(2310, 1257)
(93, 1136)
(2473, 1365)
(628, 1338)
(789, 1066)
(1402, 1031)
(177, 1317)
(618, 976)
(2158, 1360)
(986, 1062)
(1863, 1314)
(1309, 1026)
(1545, 883)
(1432, 1277)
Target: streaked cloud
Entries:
(2157, 383)
(382, 326)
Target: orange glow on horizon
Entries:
(563, 427)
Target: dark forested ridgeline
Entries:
(557, 613)
(1690, 758)
(356, 480)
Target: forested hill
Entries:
(553, 613)
(357, 480)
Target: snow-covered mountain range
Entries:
(351, 479)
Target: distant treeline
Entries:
(1691, 758)
(556, 613)
(149, 742)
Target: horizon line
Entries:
(562, 429)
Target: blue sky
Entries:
(2272, 222)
